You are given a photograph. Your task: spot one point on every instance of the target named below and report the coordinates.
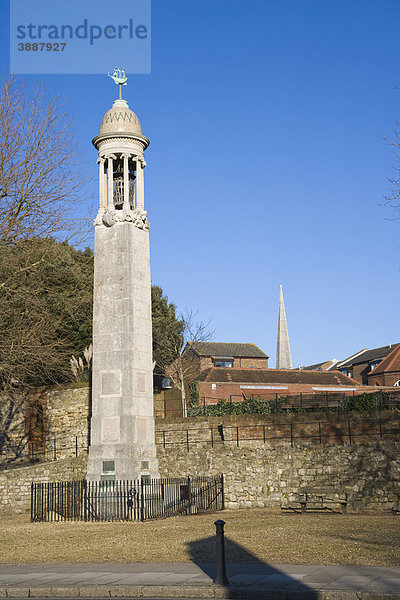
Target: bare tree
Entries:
(40, 187)
(40, 178)
(393, 199)
(182, 370)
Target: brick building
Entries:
(237, 384)
(205, 355)
(359, 365)
(387, 372)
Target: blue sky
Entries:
(266, 166)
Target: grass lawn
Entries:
(251, 535)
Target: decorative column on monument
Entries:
(122, 441)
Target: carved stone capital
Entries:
(140, 160)
(137, 217)
(99, 217)
(101, 160)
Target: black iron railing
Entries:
(52, 448)
(125, 500)
(263, 402)
(332, 432)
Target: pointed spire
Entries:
(283, 356)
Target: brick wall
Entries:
(320, 428)
(224, 391)
(360, 373)
(206, 362)
(383, 379)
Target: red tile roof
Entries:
(262, 376)
(389, 364)
(226, 350)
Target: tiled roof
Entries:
(224, 350)
(367, 356)
(264, 376)
(316, 367)
(327, 365)
(389, 364)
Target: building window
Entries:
(346, 372)
(226, 364)
(374, 364)
(397, 384)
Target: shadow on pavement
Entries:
(245, 570)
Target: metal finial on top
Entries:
(119, 78)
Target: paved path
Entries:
(189, 580)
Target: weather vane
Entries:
(119, 78)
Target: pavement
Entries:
(256, 581)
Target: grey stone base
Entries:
(131, 461)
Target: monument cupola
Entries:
(121, 145)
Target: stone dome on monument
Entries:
(120, 119)
(120, 125)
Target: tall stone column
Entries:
(110, 173)
(104, 172)
(122, 443)
(126, 181)
(140, 163)
(102, 188)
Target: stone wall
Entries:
(265, 477)
(351, 453)
(15, 484)
(256, 474)
(67, 411)
(52, 421)
(253, 476)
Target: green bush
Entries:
(257, 406)
(249, 406)
(369, 402)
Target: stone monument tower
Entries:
(283, 356)
(122, 442)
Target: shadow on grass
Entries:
(245, 570)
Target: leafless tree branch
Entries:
(40, 175)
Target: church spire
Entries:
(283, 357)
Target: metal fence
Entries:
(278, 402)
(332, 432)
(53, 448)
(138, 500)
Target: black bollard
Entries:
(221, 578)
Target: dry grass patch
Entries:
(259, 534)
